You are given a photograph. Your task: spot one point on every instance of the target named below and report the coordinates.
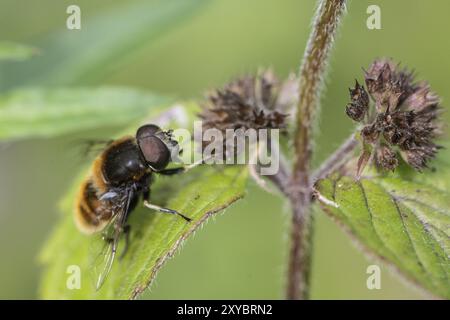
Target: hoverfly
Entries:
(119, 176)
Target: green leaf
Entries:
(155, 237)
(50, 112)
(403, 218)
(106, 39)
(15, 51)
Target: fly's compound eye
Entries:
(157, 146)
(155, 152)
(147, 130)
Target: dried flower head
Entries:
(359, 105)
(386, 158)
(405, 118)
(250, 102)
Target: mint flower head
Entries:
(402, 120)
(256, 102)
(260, 101)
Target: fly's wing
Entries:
(91, 147)
(105, 249)
(84, 149)
(105, 256)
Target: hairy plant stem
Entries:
(311, 75)
(336, 160)
(281, 178)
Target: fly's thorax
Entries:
(121, 163)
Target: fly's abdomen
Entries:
(91, 214)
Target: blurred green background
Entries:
(241, 253)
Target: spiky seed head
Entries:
(357, 108)
(406, 117)
(386, 158)
(250, 102)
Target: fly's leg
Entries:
(165, 210)
(146, 194)
(107, 238)
(126, 232)
(172, 171)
